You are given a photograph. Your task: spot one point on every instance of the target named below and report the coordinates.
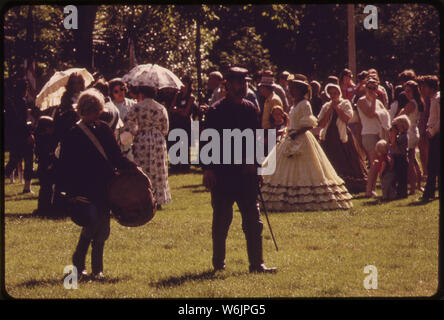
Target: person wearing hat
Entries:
(216, 89)
(266, 89)
(304, 179)
(283, 82)
(278, 90)
(251, 95)
(338, 141)
(230, 183)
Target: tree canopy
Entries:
(308, 39)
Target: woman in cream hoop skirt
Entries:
(304, 179)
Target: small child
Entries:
(46, 143)
(278, 121)
(399, 146)
(386, 171)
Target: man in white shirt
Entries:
(430, 90)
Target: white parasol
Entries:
(52, 91)
(152, 75)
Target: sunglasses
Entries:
(371, 88)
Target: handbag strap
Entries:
(93, 138)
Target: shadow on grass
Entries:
(57, 282)
(22, 196)
(31, 216)
(192, 186)
(179, 171)
(180, 280)
(418, 203)
(374, 202)
(200, 191)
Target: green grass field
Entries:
(321, 254)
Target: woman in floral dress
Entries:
(148, 123)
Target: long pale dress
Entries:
(304, 179)
(148, 123)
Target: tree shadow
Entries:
(180, 280)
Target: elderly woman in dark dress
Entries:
(84, 174)
(338, 142)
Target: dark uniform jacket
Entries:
(226, 114)
(82, 170)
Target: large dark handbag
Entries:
(131, 198)
(129, 192)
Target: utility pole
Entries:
(198, 57)
(351, 38)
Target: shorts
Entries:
(369, 141)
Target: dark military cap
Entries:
(236, 73)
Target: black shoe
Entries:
(83, 276)
(262, 269)
(98, 276)
(219, 268)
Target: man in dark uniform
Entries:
(238, 183)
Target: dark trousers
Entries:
(222, 201)
(24, 152)
(46, 180)
(401, 166)
(433, 167)
(96, 230)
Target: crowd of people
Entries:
(346, 118)
(334, 140)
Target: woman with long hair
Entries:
(413, 111)
(346, 84)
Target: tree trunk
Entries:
(83, 35)
(198, 61)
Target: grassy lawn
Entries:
(321, 254)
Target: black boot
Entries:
(255, 257)
(219, 254)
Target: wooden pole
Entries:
(351, 38)
(198, 60)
